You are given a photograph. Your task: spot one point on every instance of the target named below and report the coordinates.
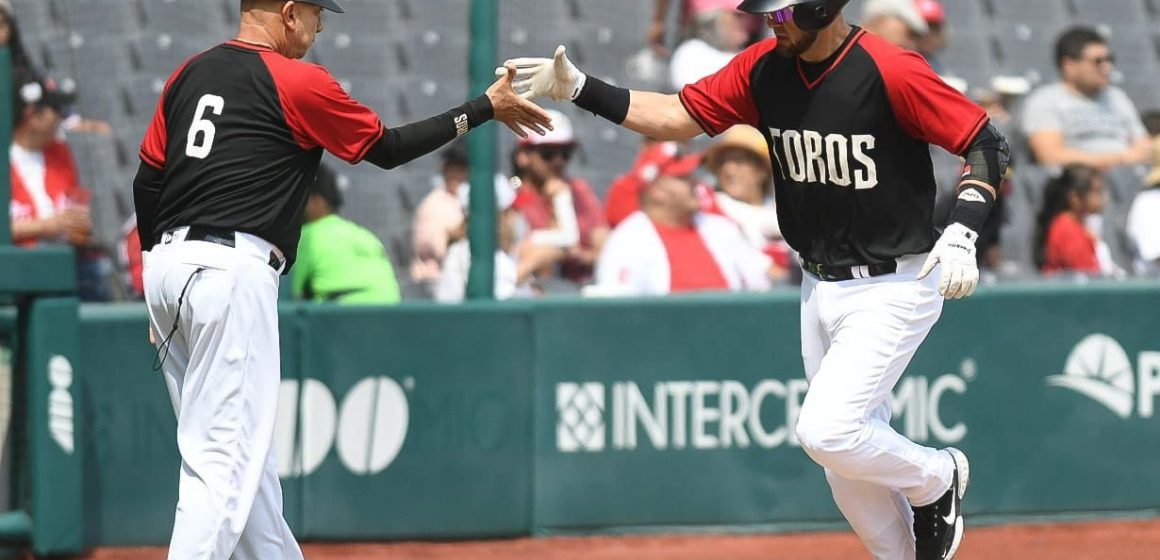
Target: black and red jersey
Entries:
(239, 133)
(848, 140)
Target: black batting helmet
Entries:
(809, 15)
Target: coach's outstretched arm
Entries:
(656, 115)
(400, 145)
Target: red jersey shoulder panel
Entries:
(156, 139)
(319, 112)
(925, 106)
(724, 99)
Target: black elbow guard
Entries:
(987, 158)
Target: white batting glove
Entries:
(555, 78)
(955, 251)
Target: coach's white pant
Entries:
(223, 374)
(857, 338)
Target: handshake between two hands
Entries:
(523, 79)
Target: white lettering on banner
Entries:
(1099, 368)
(60, 403)
(368, 429)
(808, 157)
(723, 414)
(1148, 385)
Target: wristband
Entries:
(604, 100)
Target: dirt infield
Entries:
(1136, 540)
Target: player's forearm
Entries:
(660, 116)
(655, 115)
(29, 230)
(410, 142)
(146, 195)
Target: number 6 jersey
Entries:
(848, 139)
(239, 133)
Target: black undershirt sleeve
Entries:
(987, 158)
(410, 142)
(146, 194)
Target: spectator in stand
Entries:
(1083, 119)
(560, 211)
(718, 35)
(672, 246)
(690, 9)
(11, 37)
(934, 41)
(516, 260)
(655, 158)
(897, 21)
(739, 160)
(439, 217)
(49, 206)
(1144, 221)
(1063, 244)
(338, 260)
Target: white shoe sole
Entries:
(964, 470)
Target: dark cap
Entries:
(326, 5)
(326, 186)
(31, 91)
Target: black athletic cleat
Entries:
(938, 527)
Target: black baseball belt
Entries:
(220, 236)
(828, 273)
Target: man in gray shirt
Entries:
(1084, 119)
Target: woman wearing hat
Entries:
(739, 160)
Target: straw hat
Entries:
(743, 137)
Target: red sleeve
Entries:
(724, 99)
(925, 106)
(321, 113)
(156, 138)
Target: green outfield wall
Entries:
(508, 419)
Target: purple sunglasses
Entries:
(781, 16)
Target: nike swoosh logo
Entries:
(950, 518)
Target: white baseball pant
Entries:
(223, 375)
(858, 336)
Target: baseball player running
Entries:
(225, 170)
(848, 118)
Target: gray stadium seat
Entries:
(445, 15)
(371, 17)
(1027, 50)
(606, 150)
(1033, 12)
(106, 18)
(1134, 47)
(970, 56)
(1111, 12)
(1144, 89)
(437, 54)
(423, 97)
(198, 18)
(165, 52)
(358, 56)
(142, 93)
(534, 27)
(963, 15)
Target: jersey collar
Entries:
(835, 60)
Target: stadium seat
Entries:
(142, 93)
(964, 15)
(198, 18)
(971, 56)
(96, 160)
(438, 55)
(445, 16)
(103, 18)
(1111, 12)
(1028, 51)
(164, 52)
(369, 17)
(534, 27)
(358, 55)
(1051, 13)
(423, 97)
